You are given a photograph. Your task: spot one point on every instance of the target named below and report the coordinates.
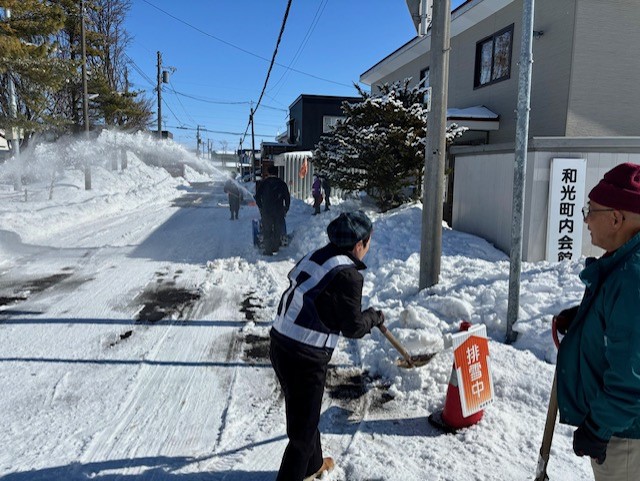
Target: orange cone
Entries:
(450, 419)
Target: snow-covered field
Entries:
(134, 324)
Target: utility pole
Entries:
(159, 95)
(198, 140)
(85, 95)
(15, 131)
(522, 136)
(253, 149)
(435, 151)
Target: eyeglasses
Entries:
(586, 211)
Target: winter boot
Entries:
(327, 465)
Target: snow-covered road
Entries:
(165, 390)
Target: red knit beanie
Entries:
(619, 188)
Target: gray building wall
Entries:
(483, 187)
(584, 77)
(604, 97)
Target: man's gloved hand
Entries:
(565, 318)
(380, 320)
(585, 443)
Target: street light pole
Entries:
(159, 95)
(519, 168)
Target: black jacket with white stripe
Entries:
(324, 299)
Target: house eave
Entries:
(463, 18)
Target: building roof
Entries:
(323, 97)
(463, 18)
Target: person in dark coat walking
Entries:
(323, 300)
(326, 186)
(316, 192)
(273, 199)
(234, 195)
(598, 366)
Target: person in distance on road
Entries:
(273, 200)
(234, 194)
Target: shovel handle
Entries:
(394, 342)
(549, 427)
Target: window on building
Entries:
(329, 122)
(292, 131)
(493, 58)
(425, 81)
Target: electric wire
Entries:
(273, 59)
(212, 131)
(180, 102)
(224, 102)
(240, 48)
(275, 52)
(303, 44)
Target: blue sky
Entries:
(221, 50)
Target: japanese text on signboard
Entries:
(471, 352)
(566, 197)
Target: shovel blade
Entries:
(417, 360)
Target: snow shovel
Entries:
(550, 424)
(408, 360)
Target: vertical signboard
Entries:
(473, 369)
(566, 199)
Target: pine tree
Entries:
(27, 47)
(40, 47)
(379, 147)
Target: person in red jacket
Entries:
(322, 302)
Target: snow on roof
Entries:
(476, 112)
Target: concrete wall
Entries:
(482, 196)
(483, 187)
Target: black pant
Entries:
(234, 205)
(272, 231)
(327, 202)
(302, 379)
(317, 202)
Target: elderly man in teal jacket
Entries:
(598, 365)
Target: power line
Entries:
(224, 102)
(275, 52)
(140, 71)
(266, 80)
(171, 110)
(214, 131)
(240, 48)
(303, 44)
(180, 102)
